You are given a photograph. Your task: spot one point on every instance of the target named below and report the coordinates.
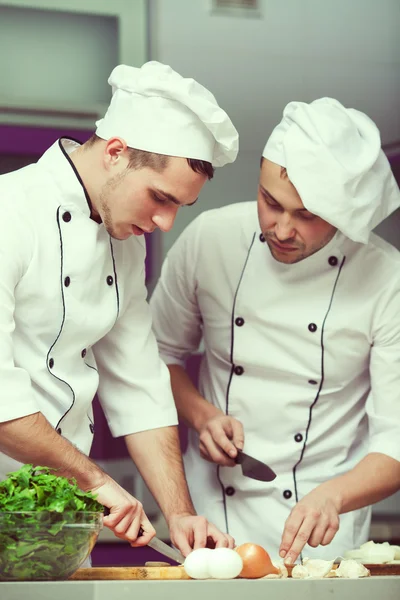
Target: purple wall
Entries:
(17, 140)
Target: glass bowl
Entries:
(44, 545)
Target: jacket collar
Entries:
(326, 259)
(57, 162)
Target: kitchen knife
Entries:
(159, 545)
(254, 468)
(164, 549)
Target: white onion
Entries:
(224, 564)
(196, 563)
(372, 553)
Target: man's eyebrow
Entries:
(267, 193)
(172, 198)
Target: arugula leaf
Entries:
(48, 526)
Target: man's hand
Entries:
(126, 514)
(189, 532)
(220, 436)
(314, 521)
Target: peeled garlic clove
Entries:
(351, 569)
(318, 567)
(299, 572)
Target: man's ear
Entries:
(113, 151)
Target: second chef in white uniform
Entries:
(299, 310)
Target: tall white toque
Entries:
(153, 108)
(333, 157)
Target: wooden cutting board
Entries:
(141, 573)
(155, 573)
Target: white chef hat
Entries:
(334, 159)
(156, 109)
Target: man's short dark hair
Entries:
(140, 159)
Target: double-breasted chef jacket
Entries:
(305, 355)
(73, 312)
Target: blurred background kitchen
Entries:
(254, 55)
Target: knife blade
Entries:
(254, 468)
(164, 549)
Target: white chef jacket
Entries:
(73, 313)
(305, 355)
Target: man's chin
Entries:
(287, 258)
(115, 235)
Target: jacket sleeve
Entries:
(383, 404)
(134, 388)
(16, 246)
(177, 319)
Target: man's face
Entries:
(137, 201)
(291, 232)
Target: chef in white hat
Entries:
(298, 306)
(74, 319)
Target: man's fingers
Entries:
(220, 439)
(220, 539)
(237, 434)
(331, 531)
(215, 453)
(146, 530)
(117, 514)
(125, 514)
(130, 524)
(292, 526)
(318, 533)
(200, 533)
(222, 433)
(301, 539)
(182, 543)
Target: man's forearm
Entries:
(192, 408)
(32, 439)
(374, 478)
(158, 457)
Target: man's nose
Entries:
(284, 228)
(165, 220)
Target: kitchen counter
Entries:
(371, 588)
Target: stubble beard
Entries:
(303, 252)
(105, 211)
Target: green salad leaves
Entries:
(48, 526)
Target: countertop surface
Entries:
(371, 588)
